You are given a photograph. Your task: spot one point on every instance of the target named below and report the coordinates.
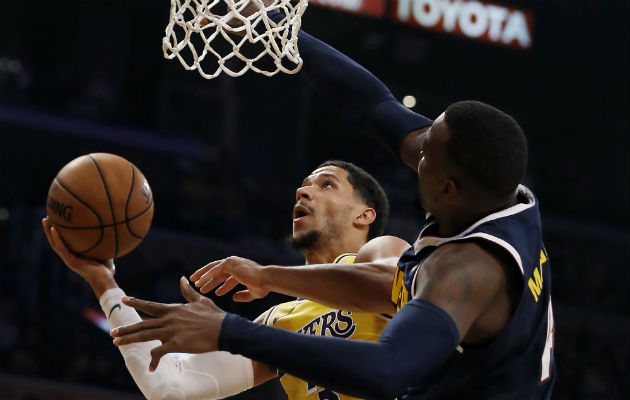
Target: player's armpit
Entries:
(469, 284)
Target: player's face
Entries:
(432, 165)
(324, 203)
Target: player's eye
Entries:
(327, 184)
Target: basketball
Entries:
(101, 204)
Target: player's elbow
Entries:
(388, 384)
(162, 384)
(164, 393)
(167, 387)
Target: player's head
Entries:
(338, 200)
(474, 155)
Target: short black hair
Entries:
(487, 144)
(368, 190)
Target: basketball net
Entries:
(234, 36)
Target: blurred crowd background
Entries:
(225, 156)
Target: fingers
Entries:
(76, 263)
(53, 240)
(187, 291)
(149, 307)
(46, 226)
(57, 244)
(228, 285)
(149, 324)
(243, 296)
(213, 283)
(142, 336)
(157, 353)
(197, 274)
(202, 271)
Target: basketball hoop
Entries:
(234, 36)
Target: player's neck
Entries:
(326, 253)
(317, 257)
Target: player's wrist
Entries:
(266, 277)
(101, 284)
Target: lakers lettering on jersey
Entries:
(310, 318)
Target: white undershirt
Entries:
(178, 376)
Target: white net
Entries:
(234, 36)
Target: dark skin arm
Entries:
(471, 285)
(361, 287)
(463, 279)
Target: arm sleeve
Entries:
(360, 96)
(178, 376)
(415, 344)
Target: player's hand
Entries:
(193, 327)
(230, 272)
(99, 275)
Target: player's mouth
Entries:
(300, 212)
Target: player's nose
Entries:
(303, 193)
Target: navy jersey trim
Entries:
(424, 241)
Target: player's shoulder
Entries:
(469, 262)
(382, 247)
(459, 252)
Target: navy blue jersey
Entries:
(519, 362)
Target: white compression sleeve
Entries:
(178, 376)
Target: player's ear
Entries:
(450, 188)
(366, 217)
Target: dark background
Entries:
(224, 158)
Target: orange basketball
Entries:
(101, 204)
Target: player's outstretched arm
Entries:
(364, 286)
(182, 376)
(454, 293)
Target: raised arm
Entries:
(362, 98)
(361, 287)
(180, 376)
(359, 95)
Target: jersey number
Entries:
(546, 356)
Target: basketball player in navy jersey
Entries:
(474, 317)
(339, 207)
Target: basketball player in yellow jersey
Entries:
(339, 207)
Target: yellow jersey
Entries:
(310, 318)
